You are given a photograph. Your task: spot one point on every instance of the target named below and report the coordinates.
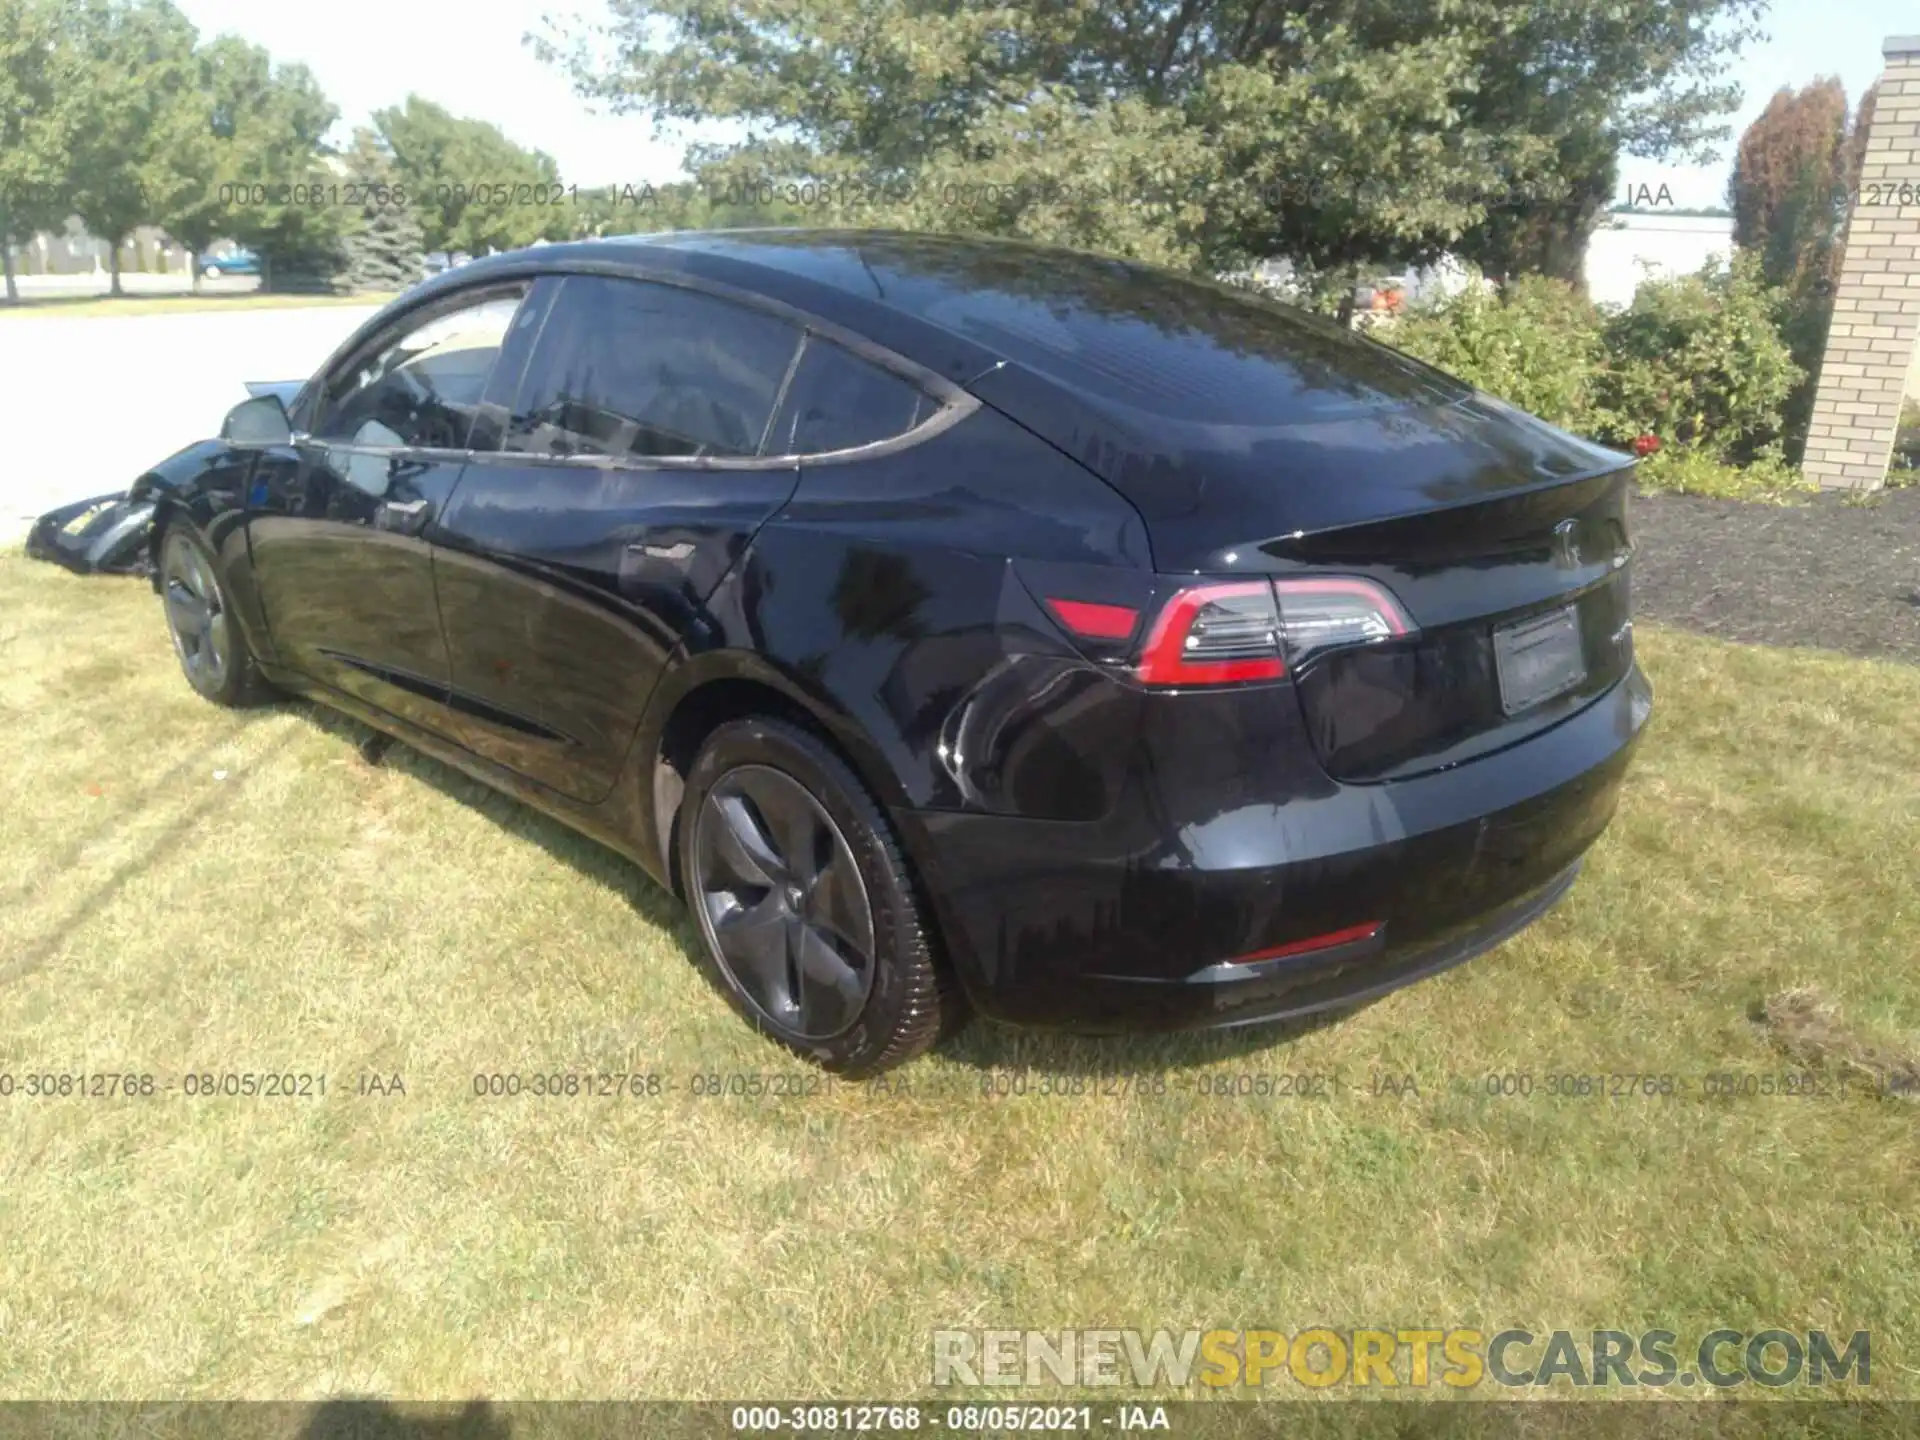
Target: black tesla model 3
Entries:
(950, 622)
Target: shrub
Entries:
(1904, 468)
(1700, 361)
(1698, 470)
(1535, 344)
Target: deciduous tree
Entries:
(471, 187)
(1193, 132)
(1788, 176)
(136, 145)
(36, 125)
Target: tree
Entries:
(1787, 186)
(36, 125)
(1794, 179)
(136, 147)
(275, 189)
(472, 188)
(384, 249)
(1854, 153)
(231, 77)
(1205, 133)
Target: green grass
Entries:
(190, 890)
(89, 306)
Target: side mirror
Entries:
(261, 420)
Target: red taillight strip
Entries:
(1352, 935)
(1163, 659)
(1095, 621)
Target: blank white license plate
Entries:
(1538, 659)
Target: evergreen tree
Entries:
(384, 248)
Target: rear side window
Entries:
(838, 401)
(627, 368)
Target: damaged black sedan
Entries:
(952, 623)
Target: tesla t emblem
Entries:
(1566, 545)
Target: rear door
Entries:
(631, 470)
(340, 522)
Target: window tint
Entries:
(838, 401)
(424, 388)
(627, 368)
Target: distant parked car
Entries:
(233, 262)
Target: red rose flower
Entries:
(1646, 444)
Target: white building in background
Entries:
(1627, 249)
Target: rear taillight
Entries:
(1234, 631)
(1329, 613)
(1215, 635)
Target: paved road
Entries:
(91, 401)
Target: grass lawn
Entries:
(191, 891)
(87, 306)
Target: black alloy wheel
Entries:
(783, 899)
(807, 911)
(212, 650)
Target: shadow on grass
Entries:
(981, 1044)
(349, 1419)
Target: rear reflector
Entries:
(1093, 621)
(1352, 935)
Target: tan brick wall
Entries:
(1871, 345)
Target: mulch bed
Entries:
(1824, 573)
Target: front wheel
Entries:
(212, 649)
(807, 913)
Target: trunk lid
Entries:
(1387, 443)
(1475, 578)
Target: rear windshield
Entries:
(1195, 353)
(1133, 336)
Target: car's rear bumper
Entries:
(1137, 923)
(1338, 977)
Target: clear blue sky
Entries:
(470, 58)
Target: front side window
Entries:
(632, 369)
(838, 401)
(422, 389)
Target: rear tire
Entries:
(808, 918)
(209, 643)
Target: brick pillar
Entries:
(1876, 310)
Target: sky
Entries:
(471, 58)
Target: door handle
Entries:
(408, 508)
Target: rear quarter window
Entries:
(838, 401)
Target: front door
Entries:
(629, 478)
(340, 523)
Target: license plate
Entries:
(1538, 659)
